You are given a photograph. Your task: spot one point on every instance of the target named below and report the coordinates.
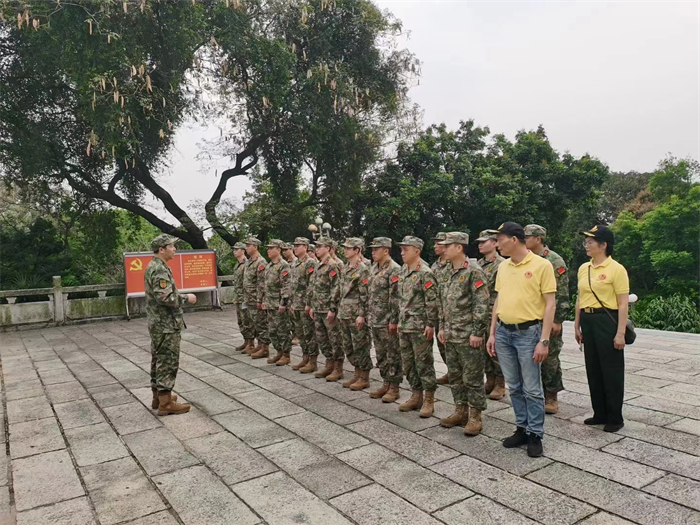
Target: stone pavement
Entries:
(265, 444)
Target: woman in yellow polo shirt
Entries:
(603, 285)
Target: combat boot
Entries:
(474, 426)
(240, 347)
(285, 360)
(499, 390)
(328, 370)
(310, 366)
(413, 403)
(428, 405)
(156, 402)
(551, 405)
(459, 417)
(263, 352)
(379, 392)
(168, 406)
(252, 348)
(338, 372)
(301, 364)
(393, 394)
(490, 383)
(444, 380)
(362, 382)
(275, 357)
(355, 377)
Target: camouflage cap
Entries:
(312, 247)
(439, 237)
(253, 241)
(162, 241)
(535, 230)
(324, 241)
(354, 242)
(302, 240)
(456, 238)
(277, 243)
(333, 244)
(287, 246)
(410, 240)
(381, 242)
(486, 235)
(239, 246)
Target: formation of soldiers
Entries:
(341, 309)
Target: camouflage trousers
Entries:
(245, 323)
(417, 361)
(328, 337)
(491, 365)
(441, 347)
(356, 344)
(465, 365)
(305, 330)
(386, 346)
(165, 360)
(259, 318)
(280, 331)
(551, 367)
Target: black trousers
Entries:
(605, 366)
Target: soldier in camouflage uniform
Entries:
(439, 268)
(288, 255)
(352, 314)
(322, 299)
(302, 271)
(464, 322)
(384, 319)
(253, 283)
(165, 321)
(418, 316)
(312, 251)
(245, 324)
(495, 386)
(551, 367)
(334, 254)
(276, 300)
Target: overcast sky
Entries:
(618, 80)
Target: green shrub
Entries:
(675, 313)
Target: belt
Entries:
(518, 326)
(596, 310)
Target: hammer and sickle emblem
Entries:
(136, 265)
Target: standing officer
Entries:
(276, 299)
(334, 254)
(464, 323)
(302, 270)
(245, 324)
(288, 255)
(165, 321)
(324, 291)
(551, 367)
(312, 251)
(253, 287)
(352, 314)
(439, 269)
(495, 386)
(384, 319)
(418, 316)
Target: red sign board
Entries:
(193, 271)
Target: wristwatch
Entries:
(545, 342)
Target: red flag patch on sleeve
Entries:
(311, 270)
(478, 284)
(561, 270)
(364, 281)
(284, 273)
(395, 279)
(333, 273)
(428, 284)
(261, 267)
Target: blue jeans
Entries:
(523, 376)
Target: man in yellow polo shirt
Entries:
(520, 326)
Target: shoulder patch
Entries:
(478, 284)
(561, 270)
(545, 253)
(311, 270)
(395, 279)
(466, 263)
(364, 281)
(333, 273)
(428, 284)
(261, 267)
(284, 273)
(163, 283)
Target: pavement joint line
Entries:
(6, 430)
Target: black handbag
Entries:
(630, 334)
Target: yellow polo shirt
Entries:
(609, 279)
(521, 288)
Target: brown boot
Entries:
(499, 390)
(379, 392)
(362, 382)
(459, 417)
(355, 377)
(301, 364)
(286, 359)
(156, 402)
(241, 346)
(413, 403)
(444, 380)
(551, 405)
(263, 352)
(338, 372)
(168, 406)
(310, 366)
(393, 394)
(328, 370)
(490, 383)
(275, 357)
(428, 405)
(252, 348)
(474, 426)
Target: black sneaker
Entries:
(593, 421)
(534, 445)
(517, 439)
(613, 427)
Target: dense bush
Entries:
(676, 313)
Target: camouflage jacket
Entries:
(491, 269)
(324, 288)
(418, 298)
(278, 285)
(383, 294)
(440, 269)
(465, 303)
(254, 281)
(238, 294)
(353, 291)
(562, 275)
(302, 271)
(163, 302)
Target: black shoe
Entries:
(613, 427)
(593, 421)
(534, 445)
(517, 439)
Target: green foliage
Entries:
(676, 313)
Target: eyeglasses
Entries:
(586, 244)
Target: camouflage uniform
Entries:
(418, 309)
(441, 271)
(464, 312)
(165, 319)
(353, 304)
(245, 323)
(384, 310)
(324, 291)
(253, 283)
(277, 292)
(491, 365)
(302, 271)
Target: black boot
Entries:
(517, 439)
(534, 445)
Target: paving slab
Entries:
(390, 412)
(669, 438)
(667, 406)
(245, 371)
(28, 409)
(331, 389)
(479, 509)
(65, 392)
(158, 451)
(111, 395)
(159, 518)
(35, 437)
(268, 404)
(229, 384)
(282, 387)
(53, 377)
(34, 390)
(72, 512)
(211, 401)
(192, 424)
(78, 414)
(657, 456)
(676, 488)
(44, 479)
(325, 434)
(252, 428)
(690, 426)
(603, 518)
(130, 418)
(95, 444)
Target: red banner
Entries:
(193, 271)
